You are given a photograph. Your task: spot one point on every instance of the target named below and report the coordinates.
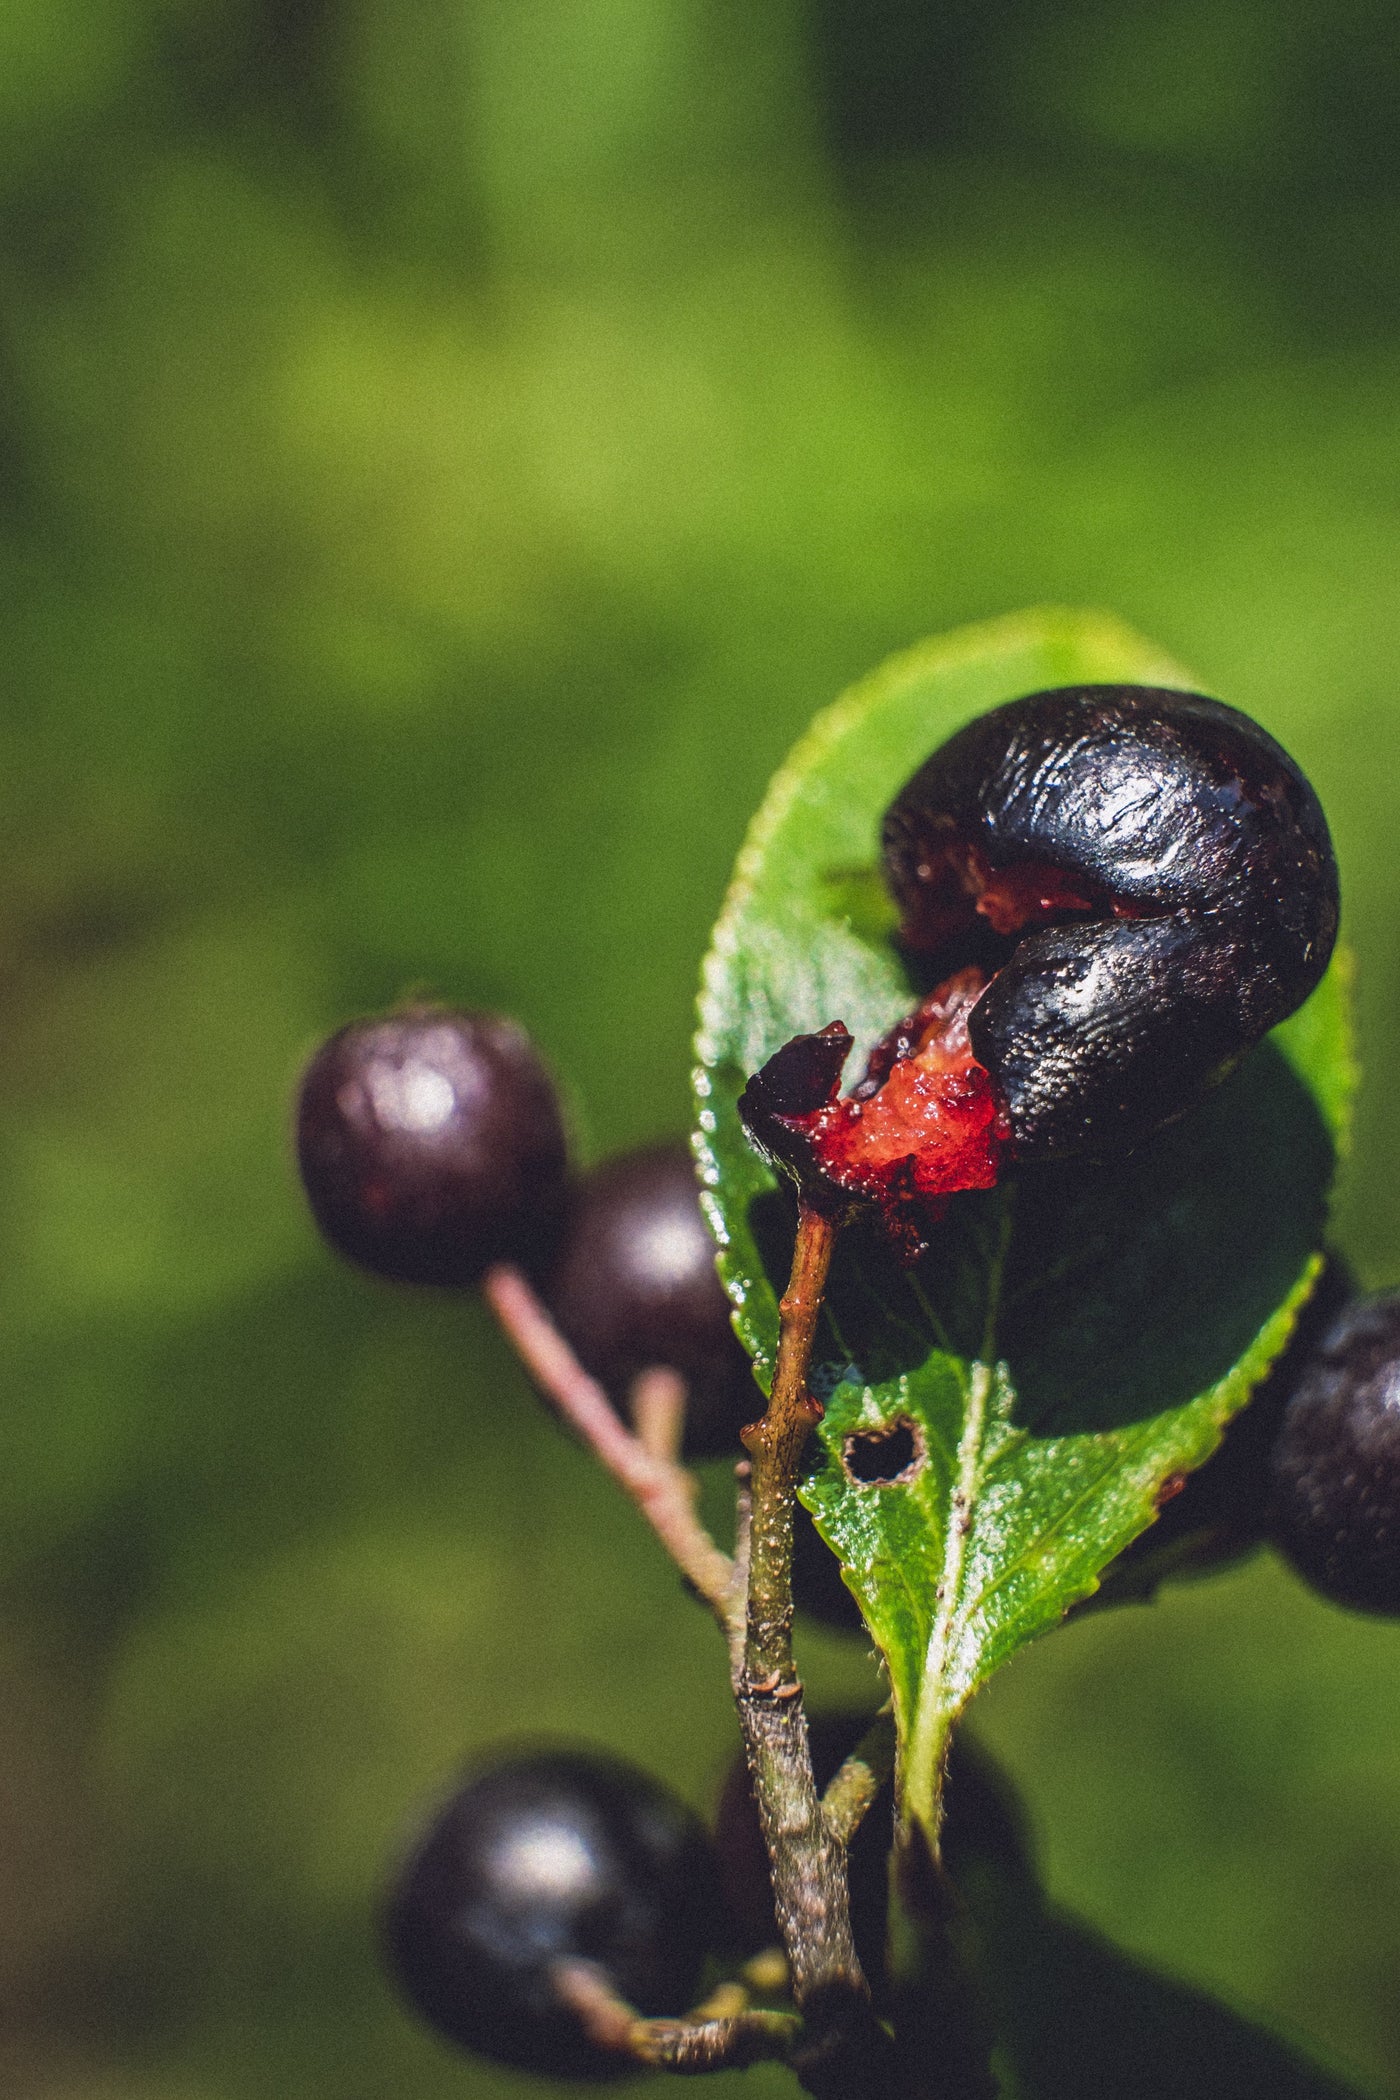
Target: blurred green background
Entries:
(447, 451)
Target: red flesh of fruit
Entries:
(931, 1128)
(925, 1121)
(922, 1124)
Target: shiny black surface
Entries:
(1336, 1463)
(431, 1144)
(1223, 1510)
(1210, 890)
(553, 1857)
(635, 1285)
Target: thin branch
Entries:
(657, 1401)
(693, 2045)
(808, 1869)
(662, 1489)
(766, 1973)
(846, 2052)
(775, 1448)
(736, 1626)
(853, 1790)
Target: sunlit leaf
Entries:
(1004, 1418)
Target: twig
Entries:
(696, 2044)
(736, 1628)
(853, 1790)
(657, 1401)
(845, 2050)
(662, 1489)
(775, 1448)
(766, 1973)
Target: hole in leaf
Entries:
(876, 1457)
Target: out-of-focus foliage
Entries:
(446, 453)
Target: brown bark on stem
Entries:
(693, 2045)
(852, 1790)
(847, 2052)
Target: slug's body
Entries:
(1168, 877)
(1147, 884)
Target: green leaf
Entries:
(1078, 2019)
(1074, 2017)
(1003, 1419)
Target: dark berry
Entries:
(818, 1588)
(1151, 880)
(923, 1122)
(431, 1145)
(551, 1858)
(1222, 1510)
(1335, 1469)
(635, 1286)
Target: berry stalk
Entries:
(661, 1487)
(727, 2043)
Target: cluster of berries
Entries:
(1115, 892)
(432, 1148)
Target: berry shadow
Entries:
(1132, 1288)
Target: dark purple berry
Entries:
(431, 1145)
(1150, 877)
(1335, 1469)
(818, 1588)
(1222, 1510)
(558, 1857)
(635, 1286)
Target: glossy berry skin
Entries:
(1159, 877)
(560, 1856)
(431, 1144)
(1221, 1512)
(1335, 1467)
(635, 1286)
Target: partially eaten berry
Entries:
(542, 1860)
(923, 1122)
(431, 1144)
(635, 1286)
(1119, 890)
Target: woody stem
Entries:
(847, 2052)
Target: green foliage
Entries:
(1080, 2020)
(1074, 1339)
(446, 454)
